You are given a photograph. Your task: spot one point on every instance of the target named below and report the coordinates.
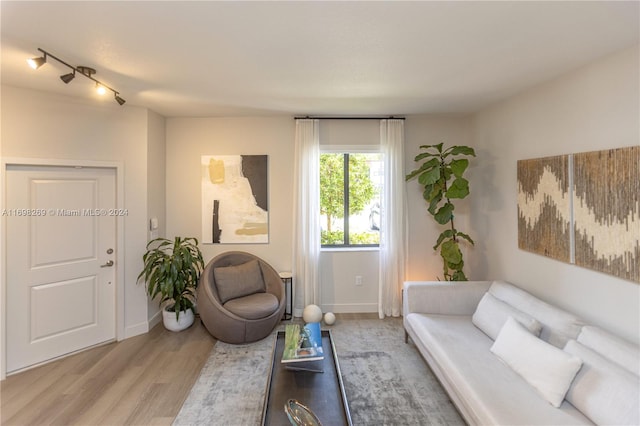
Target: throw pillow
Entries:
(547, 369)
(602, 390)
(558, 326)
(239, 280)
(492, 313)
(612, 347)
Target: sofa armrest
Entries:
(442, 297)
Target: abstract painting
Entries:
(583, 209)
(544, 211)
(606, 211)
(235, 199)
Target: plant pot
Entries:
(170, 323)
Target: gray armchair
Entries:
(240, 297)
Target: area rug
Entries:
(386, 381)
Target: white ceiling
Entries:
(321, 58)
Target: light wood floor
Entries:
(143, 380)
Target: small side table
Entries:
(287, 280)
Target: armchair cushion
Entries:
(238, 281)
(253, 306)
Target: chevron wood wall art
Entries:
(544, 207)
(584, 209)
(606, 211)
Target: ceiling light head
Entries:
(100, 89)
(36, 63)
(119, 100)
(68, 77)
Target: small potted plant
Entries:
(172, 270)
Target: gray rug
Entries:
(386, 381)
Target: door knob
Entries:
(109, 263)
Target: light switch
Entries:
(153, 223)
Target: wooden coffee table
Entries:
(322, 392)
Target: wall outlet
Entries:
(359, 280)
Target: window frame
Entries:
(346, 151)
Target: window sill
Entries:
(349, 249)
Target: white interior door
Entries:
(61, 241)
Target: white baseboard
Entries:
(343, 308)
(155, 319)
(349, 308)
(136, 329)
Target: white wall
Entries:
(593, 108)
(339, 267)
(190, 138)
(42, 125)
(156, 194)
(424, 262)
(590, 109)
(3, 290)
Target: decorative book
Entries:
(302, 344)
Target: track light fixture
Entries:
(88, 72)
(36, 63)
(68, 77)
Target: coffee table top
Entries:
(322, 392)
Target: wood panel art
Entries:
(606, 211)
(584, 209)
(544, 207)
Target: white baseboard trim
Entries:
(136, 329)
(349, 308)
(343, 308)
(155, 319)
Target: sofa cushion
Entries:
(253, 306)
(443, 297)
(491, 314)
(548, 369)
(483, 387)
(605, 392)
(558, 326)
(621, 352)
(238, 280)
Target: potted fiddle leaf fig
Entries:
(171, 271)
(441, 175)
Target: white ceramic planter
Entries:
(184, 322)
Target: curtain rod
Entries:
(312, 117)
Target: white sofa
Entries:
(451, 325)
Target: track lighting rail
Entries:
(82, 70)
(365, 117)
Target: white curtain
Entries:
(306, 214)
(393, 222)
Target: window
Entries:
(350, 186)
